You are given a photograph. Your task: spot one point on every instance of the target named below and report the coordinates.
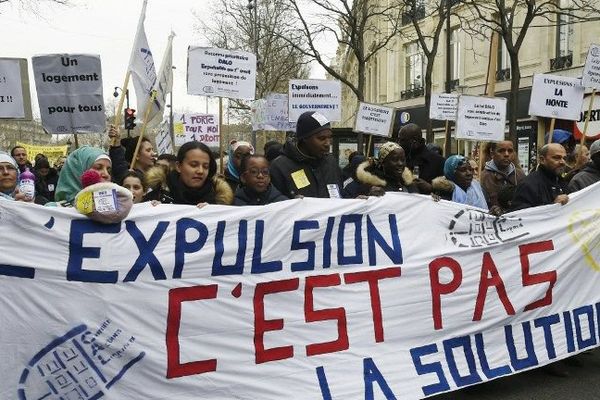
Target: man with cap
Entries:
(305, 166)
(590, 174)
(544, 185)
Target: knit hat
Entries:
(595, 147)
(385, 150)
(5, 157)
(451, 164)
(311, 123)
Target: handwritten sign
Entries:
(444, 106)
(200, 127)
(555, 96)
(221, 73)
(272, 114)
(374, 119)
(319, 95)
(481, 118)
(69, 89)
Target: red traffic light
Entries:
(129, 120)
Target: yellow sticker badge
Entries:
(584, 229)
(85, 203)
(300, 179)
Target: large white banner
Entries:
(323, 96)
(11, 88)
(392, 297)
(555, 96)
(481, 118)
(221, 73)
(374, 119)
(69, 90)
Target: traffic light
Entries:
(129, 118)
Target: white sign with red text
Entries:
(392, 297)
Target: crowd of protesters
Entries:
(304, 167)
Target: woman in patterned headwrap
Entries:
(458, 184)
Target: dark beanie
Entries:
(310, 123)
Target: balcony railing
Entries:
(503, 75)
(416, 13)
(412, 93)
(561, 62)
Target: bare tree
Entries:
(512, 20)
(361, 27)
(234, 27)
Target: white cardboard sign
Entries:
(481, 118)
(374, 119)
(69, 89)
(272, 114)
(555, 96)
(200, 127)
(444, 106)
(164, 144)
(320, 95)
(221, 73)
(591, 70)
(11, 89)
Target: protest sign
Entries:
(271, 114)
(301, 299)
(319, 95)
(201, 127)
(481, 118)
(69, 89)
(222, 73)
(591, 70)
(555, 96)
(51, 152)
(14, 89)
(593, 131)
(164, 144)
(374, 119)
(444, 106)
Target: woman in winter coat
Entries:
(194, 181)
(458, 185)
(255, 183)
(387, 173)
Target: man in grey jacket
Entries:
(590, 174)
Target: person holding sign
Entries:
(457, 184)
(195, 181)
(387, 173)
(305, 167)
(544, 185)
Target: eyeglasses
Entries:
(7, 169)
(256, 171)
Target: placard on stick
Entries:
(481, 118)
(591, 70)
(15, 101)
(444, 106)
(323, 96)
(374, 119)
(555, 96)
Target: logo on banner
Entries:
(75, 365)
(473, 228)
(584, 229)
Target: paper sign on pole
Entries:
(319, 95)
(444, 106)
(392, 298)
(555, 96)
(593, 131)
(481, 118)
(222, 73)
(200, 127)
(69, 89)
(164, 145)
(591, 70)
(14, 89)
(273, 114)
(374, 119)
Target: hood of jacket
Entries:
(441, 184)
(291, 150)
(491, 166)
(366, 174)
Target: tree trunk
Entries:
(428, 84)
(515, 81)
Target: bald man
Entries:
(545, 185)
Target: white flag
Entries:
(141, 66)
(164, 84)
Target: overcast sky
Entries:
(107, 28)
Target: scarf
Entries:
(69, 182)
(183, 194)
(472, 197)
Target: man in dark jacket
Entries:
(590, 174)
(305, 167)
(431, 164)
(544, 186)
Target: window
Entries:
(455, 64)
(564, 35)
(414, 65)
(392, 72)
